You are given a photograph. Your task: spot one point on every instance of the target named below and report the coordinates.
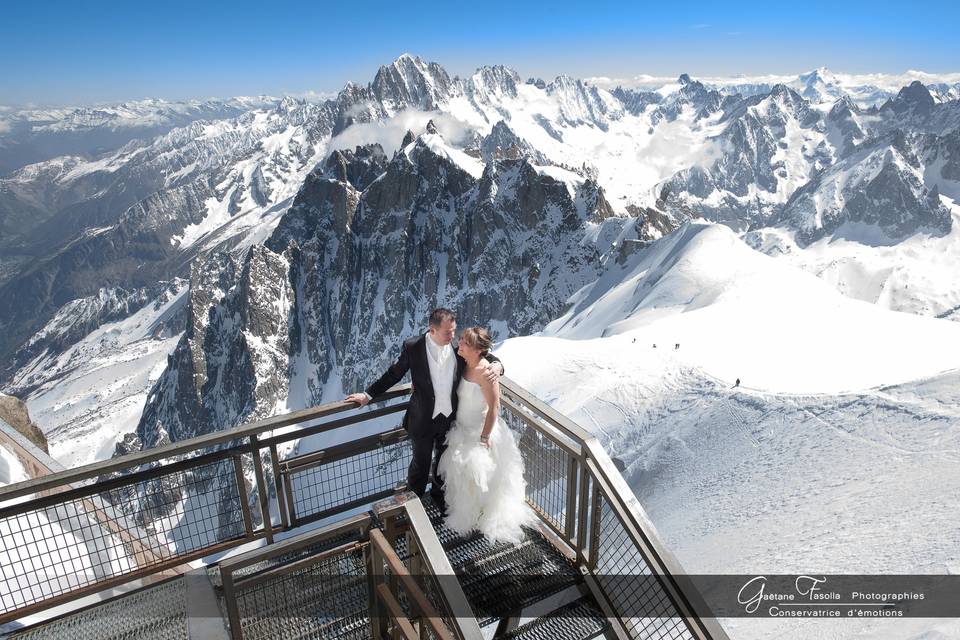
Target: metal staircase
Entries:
(391, 569)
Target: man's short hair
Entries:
(441, 314)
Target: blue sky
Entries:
(77, 52)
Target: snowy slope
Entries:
(743, 315)
(84, 397)
(839, 452)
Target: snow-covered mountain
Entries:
(820, 85)
(361, 261)
(837, 452)
(497, 196)
(235, 266)
(34, 135)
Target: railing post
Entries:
(570, 515)
(261, 489)
(230, 601)
(595, 517)
(378, 621)
(288, 492)
(583, 510)
(242, 494)
(278, 481)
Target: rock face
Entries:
(358, 262)
(231, 362)
(881, 185)
(504, 144)
(775, 155)
(752, 172)
(14, 413)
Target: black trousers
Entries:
(426, 448)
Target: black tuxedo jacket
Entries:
(418, 420)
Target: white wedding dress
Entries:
(484, 488)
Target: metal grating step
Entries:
(578, 620)
(502, 578)
(153, 613)
(327, 599)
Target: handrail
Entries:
(415, 594)
(436, 560)
(556, 419)
(608, 480)
(198, 443)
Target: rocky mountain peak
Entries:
(358, 167)
(289, 104)
(431, 128)
(843, 106)
(915, 97)
(820, 85)
(495, 80)
(503, 143)
(784, 98)
(692, 93)
(411, 82)
(230, 364)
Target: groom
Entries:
(435, 370)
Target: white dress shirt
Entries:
(443, 368)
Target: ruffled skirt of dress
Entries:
(484, 488)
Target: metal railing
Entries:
(577, 491)
(314, 584)
(347, 580)
(110, 522)
(407, 527)
(86, 529)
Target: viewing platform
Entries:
(239, 534)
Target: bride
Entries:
(481, 467)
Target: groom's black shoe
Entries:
(439, 500)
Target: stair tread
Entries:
(501, 578)
(577, 620)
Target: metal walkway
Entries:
(394, 570)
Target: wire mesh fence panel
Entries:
(323, 488)
(154, 613)
(545, 469)
(87, 538)
(326, 599)
(629, 584)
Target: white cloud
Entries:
(885, 81)
(389, 133)
(314, 96)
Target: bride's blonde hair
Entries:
(478, 338)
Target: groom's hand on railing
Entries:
(360, 398)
